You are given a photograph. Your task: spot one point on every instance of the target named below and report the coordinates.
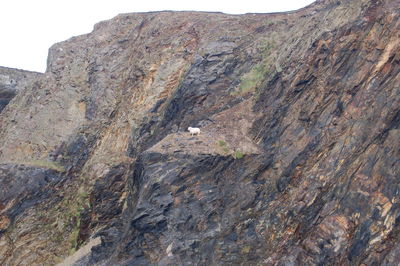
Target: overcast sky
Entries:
(29, 27)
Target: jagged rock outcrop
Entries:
(12, 81)
(298, 162)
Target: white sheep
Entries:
(194, 130)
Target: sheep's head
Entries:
(189, 128)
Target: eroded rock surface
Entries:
(297, 163)
(12, 81)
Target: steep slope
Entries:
(297, 163)
(12, 81)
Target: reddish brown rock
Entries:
(297, 162)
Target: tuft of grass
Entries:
(223, 147)
(238, 155)
(221, 143)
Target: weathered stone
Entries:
(12, 81)
(297, 162)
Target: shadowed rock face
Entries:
(297, 163)
(12, 81)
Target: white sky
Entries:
(29, 27)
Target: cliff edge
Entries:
(297, 163)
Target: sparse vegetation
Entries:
(265, 48)
(238, 154)
(221, 143)
(65, 219)
(73, 238)
(46, 164)
(226, 150)
(269, 23)
(72, 216)
(224, 147)
(251, 80)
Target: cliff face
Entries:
(12, 81)
(297, 163)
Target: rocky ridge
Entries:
(297, 163)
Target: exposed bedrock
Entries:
(13, 81)
(297, 162)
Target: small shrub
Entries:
(221, 143)
(238, 155)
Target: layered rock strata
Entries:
(298, 161)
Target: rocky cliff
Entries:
(298, 161)
(12, 81)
